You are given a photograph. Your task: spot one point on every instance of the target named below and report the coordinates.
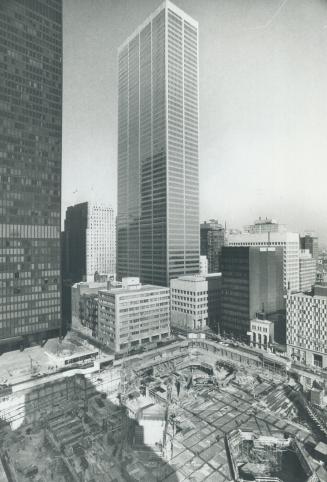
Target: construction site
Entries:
(192, 411)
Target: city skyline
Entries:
(202, 353)
(261, 98)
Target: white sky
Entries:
(263, 105)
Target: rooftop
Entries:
(133, 290)
(193, 278)
(91, 285)
(165, 4)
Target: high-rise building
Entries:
(310, 241)
(133, 315)
(90, 241)
(212, 239)
(30, 168)
(252, 283)
(307, 270)
(158, 155)
(272, 234)
(307, 327)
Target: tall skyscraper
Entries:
(212, 239)
(158, 178)
(90, 241)
(30, 168)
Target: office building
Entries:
(310, 241)
(307, 270)
(133, 315)
(214, 281)
(307, 327)
(252, 282)
(158, 154)
(90, 241)
(268, 234)
(30, 169)
(212, 239)
(189, 302)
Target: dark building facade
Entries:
(88, 312)
(310, 242)
(214, 300)
(158, 155)
(252, 282)
(75, 242)
(212, 239)
(30, 168)
(73, 255)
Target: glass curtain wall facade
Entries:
(30, 168)
(158, 181)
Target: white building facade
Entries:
(203, 265)
(100, 240)
(291, 251)
(262, 333)
(306, 328)
(133, 315)
(189, 302)
(307, 270)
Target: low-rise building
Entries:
(88, 313)
(261, 332)
(307, 271)
(189, 302)
(84, 306)
(133, 315)
(306, 327)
